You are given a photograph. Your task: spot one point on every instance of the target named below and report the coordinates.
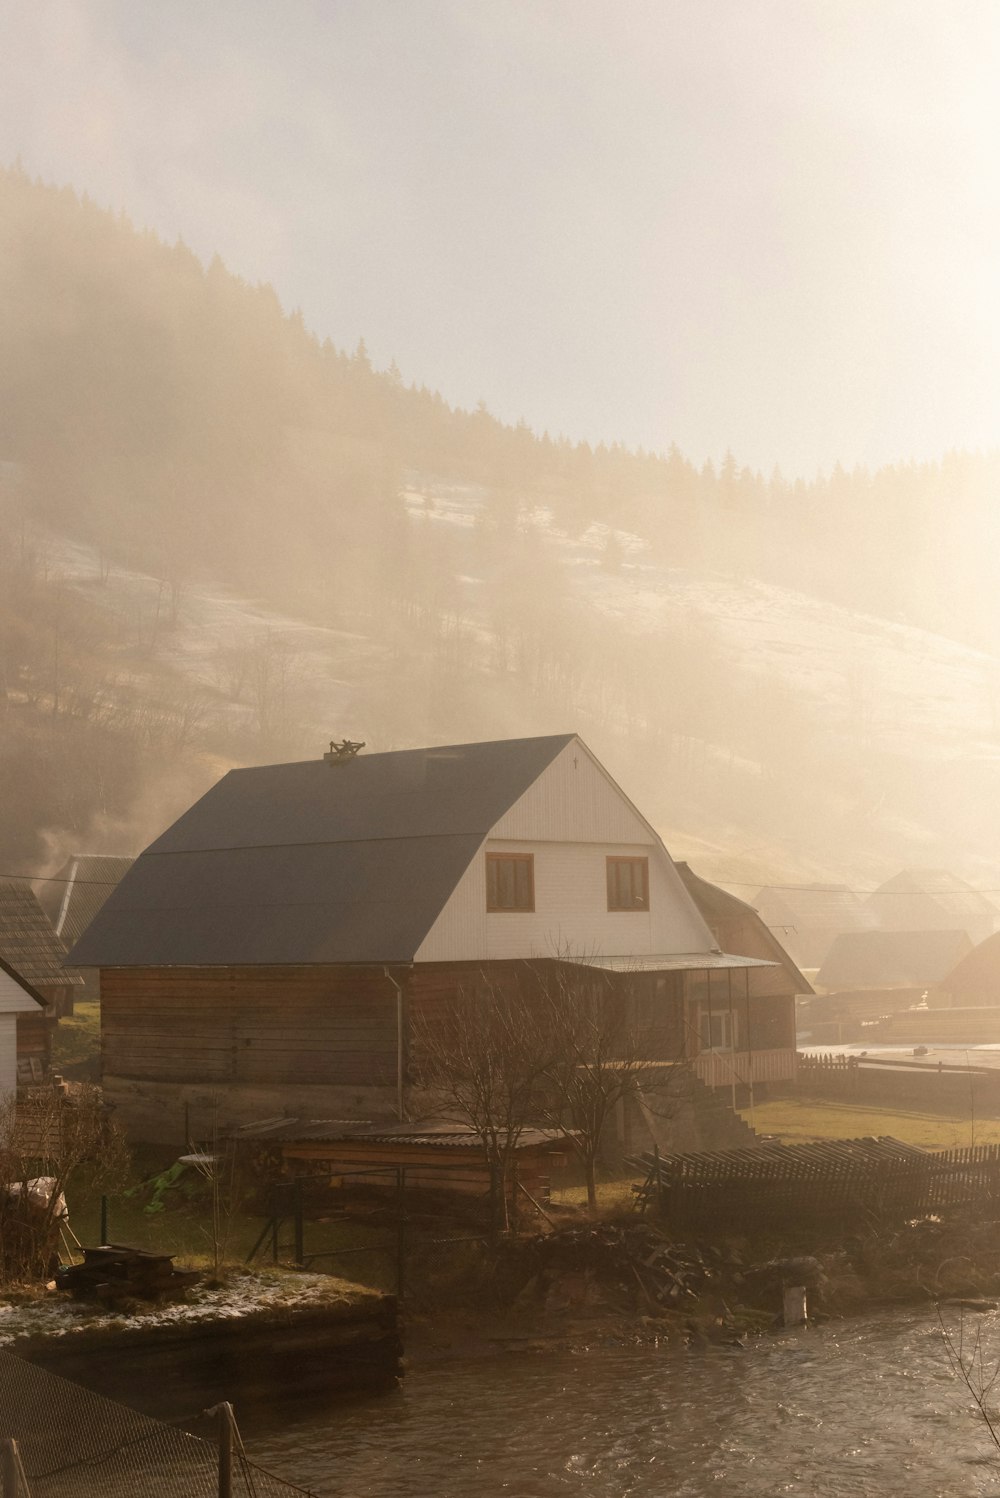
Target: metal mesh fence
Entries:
(71, 1443)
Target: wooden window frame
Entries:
(613, 862)
(494, 860)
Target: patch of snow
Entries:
(242, 1296)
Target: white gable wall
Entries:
(13, 1001)
(571, 819)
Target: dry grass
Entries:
(794, 1120)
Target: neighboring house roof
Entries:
(930, 899)
(314, 862)
(813, 907)
(16, 994)
(717, 905)
(806, 920)
(434, 1133)
(75, 895)
(978, 972)
(27, 941)
(892, 959)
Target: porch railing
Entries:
(722, 1068)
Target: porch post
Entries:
(732, 1037)
(746, 989)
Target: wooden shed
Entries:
(435, 1154)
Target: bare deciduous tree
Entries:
(554, 1048)
(483, 1057)
(602, 1055)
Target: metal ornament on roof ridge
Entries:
(346, 749)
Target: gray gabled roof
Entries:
(312, 862)
(22, 983)
(28, 944)
(717, 904)
(73, 897)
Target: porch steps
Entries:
(719, 1125)
(694, 1116)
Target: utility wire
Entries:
(58, 879)
(809, 889)
(842, 889)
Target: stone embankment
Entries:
(253, 1335)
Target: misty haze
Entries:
(500, 746)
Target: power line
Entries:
(842, 889)
(809, 889)
(58, 879)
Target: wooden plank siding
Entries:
(570, 820)
(316, 1025)
(34, 1046)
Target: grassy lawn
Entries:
(78, 1036)
(182, 1226)
(797, 1119)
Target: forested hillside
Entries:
(173, 442)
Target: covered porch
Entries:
(716, 1013)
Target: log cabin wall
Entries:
(206, 1047)
(187, 1050)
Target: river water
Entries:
(859, 1407)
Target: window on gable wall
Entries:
(510, 881)
(628, 883)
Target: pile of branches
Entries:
(633, 1264)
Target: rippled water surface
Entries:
(859, 1407)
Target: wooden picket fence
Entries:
(830, 1182)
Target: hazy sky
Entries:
(771, 225)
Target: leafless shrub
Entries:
(47, 1139)
(969, 1362)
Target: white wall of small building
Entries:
(571, 820)
(13, 1001)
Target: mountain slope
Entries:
(223, 541)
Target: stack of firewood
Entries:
(115, 1272)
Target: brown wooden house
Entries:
(264, 956)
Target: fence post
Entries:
(15, 1484)
(225, 1414)
(104, 1220)
(300, 1252)
(400, 1232)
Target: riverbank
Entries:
(627, 1282)
(306, 1334)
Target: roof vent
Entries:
(346, 749)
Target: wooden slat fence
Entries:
(835, 1181)
(903, 1081)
